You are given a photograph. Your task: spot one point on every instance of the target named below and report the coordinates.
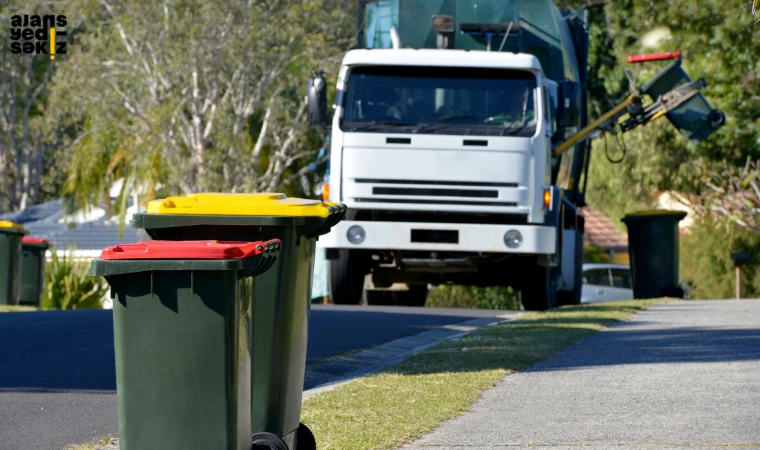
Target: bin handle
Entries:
(266, 258)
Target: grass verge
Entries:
(93, 445)
(399, 404)
(17, 308)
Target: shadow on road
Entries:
(531, 345)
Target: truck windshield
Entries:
(440, 100)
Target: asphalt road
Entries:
(57, 373)
(683, 375)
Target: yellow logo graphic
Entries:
(35, 35)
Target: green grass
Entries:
(90, 446)
(17, 308)
(398, 405)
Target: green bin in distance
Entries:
(10, 261)
(283, 294)
(181, 314)
(653, 247)
(32, 278)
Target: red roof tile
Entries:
(602, 233)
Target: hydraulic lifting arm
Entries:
(672, 91)
(638, 116)
(661, 106)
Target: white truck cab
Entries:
(444, 161)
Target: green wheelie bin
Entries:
(181, 315)
(32, 279)
(10, 261)
(694, 118)
(653, 246)
(282, 300)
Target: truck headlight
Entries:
(513, 239)
(356, 234)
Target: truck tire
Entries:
(539, 293)
(565, 298)
(346, 278)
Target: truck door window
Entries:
(451, 101)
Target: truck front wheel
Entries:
(347, 274)
(539, 292)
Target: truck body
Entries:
(443, 151)
(443, 147)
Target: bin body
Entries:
(181, 344)
(692, 117)
(281, 301)
(653, 245)
(32, 278)
(10, 262)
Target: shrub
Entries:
(453, 296)
(593, 254)
(705, 259)
(67, 285)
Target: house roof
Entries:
(44, 221)
(601, 232)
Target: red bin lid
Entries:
(653, 57)
(186, 250)
(33, 240)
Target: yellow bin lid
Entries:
(218, 204)
(4, 224)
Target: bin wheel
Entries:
(346, 278)
(539, 292)
(268, 441)
(305, 438)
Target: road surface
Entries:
(57, 374)
(679, 376)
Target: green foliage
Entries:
(716, 41)
(706, 263)
(452, 296)
(593, 254)
(68, 286)
(208, 97)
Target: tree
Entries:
(184, 96)
(25, 134)
(733, 194)
(716, 43)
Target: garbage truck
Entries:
(459, 141)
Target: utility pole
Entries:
(738, 282)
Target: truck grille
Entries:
(432, 202)
(436, 183)
(432, 192)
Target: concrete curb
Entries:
(331, 375)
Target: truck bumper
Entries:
(470, 238)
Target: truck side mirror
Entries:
(316, 100)
(569, 102)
